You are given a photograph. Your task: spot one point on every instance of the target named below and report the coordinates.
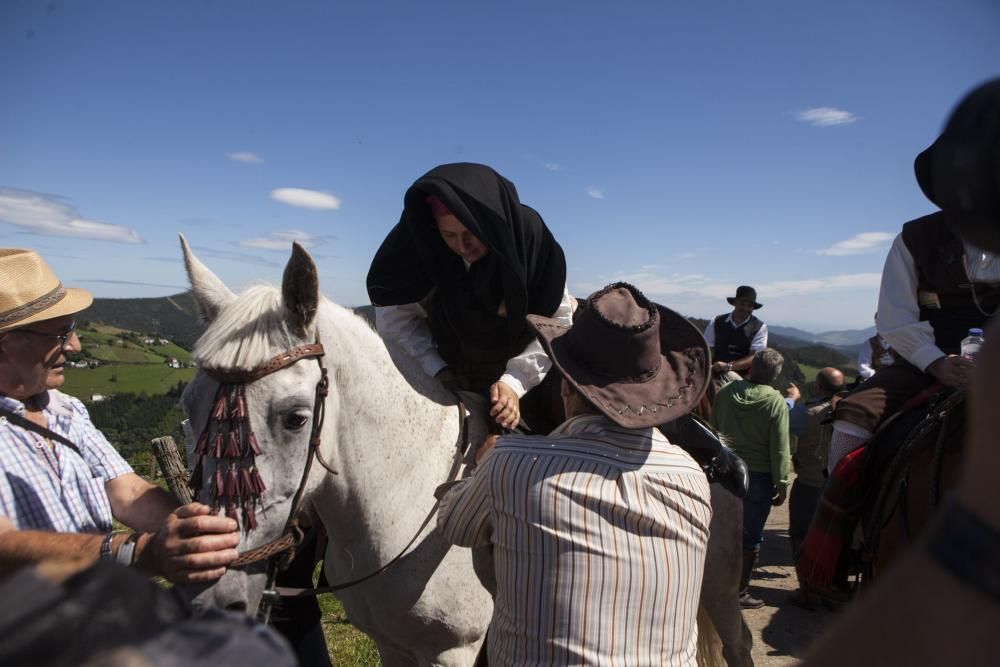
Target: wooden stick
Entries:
(172, 465)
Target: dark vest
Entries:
(732, 343)
(945, 295)
(878, 352)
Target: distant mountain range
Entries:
(176, 317)
(845, 338)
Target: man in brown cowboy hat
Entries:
(735, 337)
(599, 529)
(61, 481)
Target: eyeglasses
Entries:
(63, 337)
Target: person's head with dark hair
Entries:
(465, 236)
(829, 381)
(766, 366)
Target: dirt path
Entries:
(781, 631)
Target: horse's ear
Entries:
(300, 290)
(210, 293)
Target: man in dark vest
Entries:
(935, 287)
(735, 337)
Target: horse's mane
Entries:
(251, 329)
(246, 332)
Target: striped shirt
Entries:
(53, 488)
(599, 537)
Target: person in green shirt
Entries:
(752, 416)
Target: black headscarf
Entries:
(525, 267)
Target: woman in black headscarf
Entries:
(455, 278)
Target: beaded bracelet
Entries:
(105, 553)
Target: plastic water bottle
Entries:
(972, 343)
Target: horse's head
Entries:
(238, 391)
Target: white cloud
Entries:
(37, 213)
(594, 192)
(552, 166)
(695, 286)
(826, 116)
(245, 156)
(858, 244)
(311, 199)
(281, 240)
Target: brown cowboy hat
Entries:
(745, 292)
(30, 292)
(637, 362)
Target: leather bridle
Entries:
(279, 552)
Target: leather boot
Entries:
(747, 601)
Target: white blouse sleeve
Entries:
(528, 369)
(406, 325)
(898, 317)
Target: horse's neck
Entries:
(396, 438)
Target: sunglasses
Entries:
(63, 337)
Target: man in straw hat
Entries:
(61, 481)
(735, 337)
(599, 529)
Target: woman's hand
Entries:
(506, 406)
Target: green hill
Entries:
(172, 317)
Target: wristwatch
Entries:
(729, 367)
(126, 552)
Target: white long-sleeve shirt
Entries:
(898, 317)
(407, 326)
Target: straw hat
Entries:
(637, 362)
(30, 292)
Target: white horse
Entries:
(390, 434)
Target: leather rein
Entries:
(279, 552)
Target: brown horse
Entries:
(906, 483)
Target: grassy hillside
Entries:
(134, 379)
(174, 317)
(122, 361)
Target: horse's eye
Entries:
(295, 420)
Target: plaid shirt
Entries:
(46, 488)
(599, 535)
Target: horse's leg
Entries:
(721, 583)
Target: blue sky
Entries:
(685, 146)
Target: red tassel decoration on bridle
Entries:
(232, 445)
(219, 413)
(236, 484)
